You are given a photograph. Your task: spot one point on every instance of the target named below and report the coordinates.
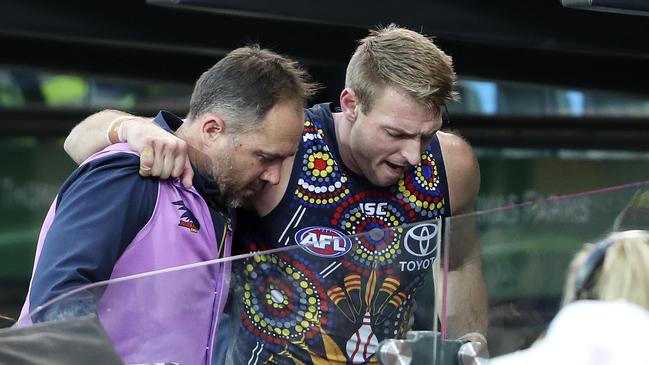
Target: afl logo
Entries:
(323, 241)
(421, 240)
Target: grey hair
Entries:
(248, 82)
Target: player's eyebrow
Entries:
(409, 134)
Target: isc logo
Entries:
(378, 209)
(323, 241)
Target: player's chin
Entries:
(384, 180)
(386, 175)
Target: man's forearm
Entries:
(467, 300)
(162, 154)
(89, 136)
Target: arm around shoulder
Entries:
(90, 135)
(163, 154)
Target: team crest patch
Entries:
(323, 241)
(187, 219)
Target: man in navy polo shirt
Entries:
(108, 222)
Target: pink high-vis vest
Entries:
(172, 316)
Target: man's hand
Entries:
(162, 154)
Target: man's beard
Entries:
(243, 198)
(223, 174)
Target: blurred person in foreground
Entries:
(605, 310)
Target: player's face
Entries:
(392, 136)
(254, 159)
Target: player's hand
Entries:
(162, 154)
(474, 350)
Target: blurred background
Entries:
(552, 98)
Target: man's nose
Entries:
(271, 174)
(412, 151)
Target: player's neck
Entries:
(343, 129)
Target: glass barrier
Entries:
(329, 299)
(523, 252)
(342, 299)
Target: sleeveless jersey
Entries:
(334, 299)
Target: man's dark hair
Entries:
(248, 82)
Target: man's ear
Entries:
(349, 104)
(212, 127)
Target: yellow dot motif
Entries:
(281, 301)
(321, 182)
(420, 188)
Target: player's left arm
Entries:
(162, 154)
(467, 296)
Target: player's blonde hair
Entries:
(403, 59)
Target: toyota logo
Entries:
(420, 240)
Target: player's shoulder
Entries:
(462, 170)
(319, 115)
(457, 152)
(453, 145)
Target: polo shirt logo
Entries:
(187, 219)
